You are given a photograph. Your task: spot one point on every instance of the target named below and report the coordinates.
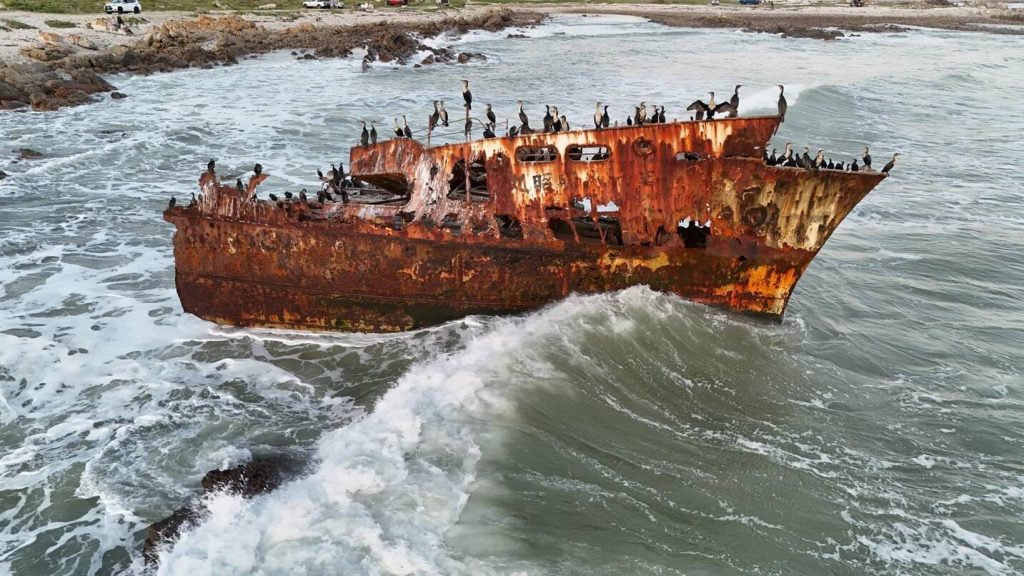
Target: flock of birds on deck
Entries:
(555, 122)
(789, 159)
(338, 182)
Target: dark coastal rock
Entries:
(118, 95)
(465, 57)
(3, 174)
(519, 35)
(28, 154)
(246, 480)
(56, 76)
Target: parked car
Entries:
(754, 2)
(122, 6)
(398, 2)
(318, 4)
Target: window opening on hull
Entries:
(536, 154)
(592, 233)
(477, 180)
(688, 156)
(693, 233)
(588, 153)
(643, 147)
(509, 226)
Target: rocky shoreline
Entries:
(64, 73)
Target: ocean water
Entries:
(879, 429)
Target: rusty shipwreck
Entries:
(510, 224)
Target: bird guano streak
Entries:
(510, 224)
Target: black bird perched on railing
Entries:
(830, 165)
(172, 202)
(735, 100)
(563, 124)
(773, 159)
(556, 124)
(398, 129)
(629, 120)
(319, 174)
(488, 130)
(805, 159)
(597, 116)
(364, 138)
(405, 127)
(468, 129)
(491, 118)
(549, 121)
(238, 184)
(866, 159)
(193, 202)
(287, 195)
(444, 115)
(888, 165)
(783, 105)
(853, 166)
(661, 116)
(210, 166)
(373, 132)
(605, 120)
(435, 117)
(273, 197)
(467, 95)
(523, 120)
(258, 168)
(302, 195)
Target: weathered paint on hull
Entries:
(359, 267)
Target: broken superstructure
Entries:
(510, 224)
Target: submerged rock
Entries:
(246, 480)
(28, 154)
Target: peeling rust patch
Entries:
(517, 229)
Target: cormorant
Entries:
(854, 167)
(444, 115)
(735, 100)
(805, 159)
(888, 165)
(783, 105)
(467, 95)
(273, 197)
(710, 108)
(773, 159)
(258, 169)
(302, 195)
(398, 129)
(373, 132)
(491, 117)
(287, 195)
(605, 120)
(335, 177)
(597, 116)
(210, 166)
(469, 125)
(193, 202)
(642, 115)
(364, 138)
(238, 184)
(839, 166)
(549, 121)
(434, 118)
(563, 123)
(830, 165)
(661, 116)
(319, 174)
(488, 131)
(513, 131)
(525, 122)
(867, 159)
(556, 124)
(172, 202)
(819, 159)
(629, 120)
(405, 127)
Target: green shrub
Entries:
(15, 25)
(60, 24)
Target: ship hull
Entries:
(312, 276)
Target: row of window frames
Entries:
(579, 154)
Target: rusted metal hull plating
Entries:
(538, 230)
